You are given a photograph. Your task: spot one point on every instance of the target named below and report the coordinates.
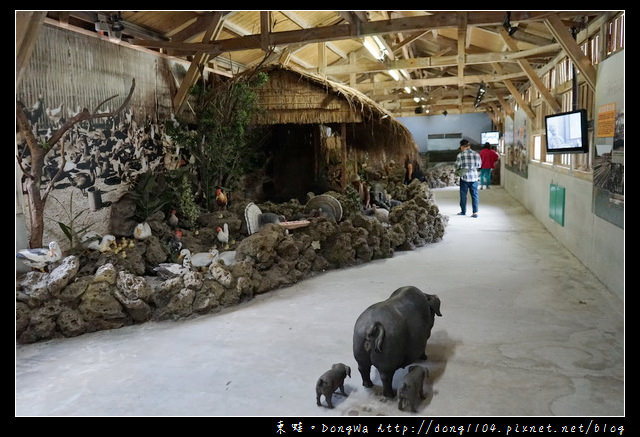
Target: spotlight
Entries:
(482, 89)
(507, 24)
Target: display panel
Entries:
(492, 138)
(567, 132)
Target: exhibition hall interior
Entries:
(320, 218)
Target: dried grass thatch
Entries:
(299, 97)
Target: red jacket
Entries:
(489, 158)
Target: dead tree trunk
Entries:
(32, 178)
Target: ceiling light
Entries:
(379, 43)
(372, 46)
(394, 74)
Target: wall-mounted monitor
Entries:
(567, 132)
(492, 138)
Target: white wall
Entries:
(598, 244)
(470, 125)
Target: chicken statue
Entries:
(222, 234)
(173, 219)
(221, 198)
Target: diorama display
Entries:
(175, 218)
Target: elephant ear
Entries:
(434, 303)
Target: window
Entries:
(615, 34)
(537, 147)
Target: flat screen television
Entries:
(492, 138)
(567, 132)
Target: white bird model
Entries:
(223, 235)
(94, 242)
(142, 231)
(41, 257)
(203, 259)
(171, 270)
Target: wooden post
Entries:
(343, 142)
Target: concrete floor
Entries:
(526, 330)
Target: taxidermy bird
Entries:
(142, 231)
(223, 235)
(41, 257)
(93, 241)
(203, 259)
(173, 219)
(171, 270)
(221, 198)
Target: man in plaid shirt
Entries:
(468, 162)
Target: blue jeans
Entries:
(472, 187)
(485, 176)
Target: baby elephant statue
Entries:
(330, 381)
(393, 333)
(411, 393)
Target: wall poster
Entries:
(516, 145)
(608, 150)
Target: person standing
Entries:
(489, 157)
(468, 162)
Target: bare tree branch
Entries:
(38, 152)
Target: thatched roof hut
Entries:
(329, 131)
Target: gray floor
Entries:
(526, 330)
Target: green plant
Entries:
(219, 139)
(187, 204)
(150, 195)
(71, 228)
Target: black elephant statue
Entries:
(393, 333)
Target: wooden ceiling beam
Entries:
(516, 95)
(439, 61)
(569, 45)
(346, 31)
(198, 62)
(438, 81)
(298, 21)
(531, 73)
(200, 24)
(265, 30)
(462, 50)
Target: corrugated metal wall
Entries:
(80, 71)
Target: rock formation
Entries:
(96, 291)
